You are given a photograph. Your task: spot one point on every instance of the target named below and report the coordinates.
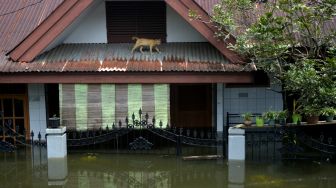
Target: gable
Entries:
(92, 28)
(65, 15)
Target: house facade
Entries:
(73, 59)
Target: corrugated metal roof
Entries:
(207, 5)
(194, 52)
(20, 17)
(193, 57)
(25, 15)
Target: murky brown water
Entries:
(86, 170)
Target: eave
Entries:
(128, 77)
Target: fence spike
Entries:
(140, 113)
(120, 123)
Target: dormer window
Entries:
(126, 19)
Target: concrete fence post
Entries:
(56, 142)
(236, 149)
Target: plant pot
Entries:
(54, 122)
(296, 118)
(282, 121)
(271, 122)
(259, 122)
(312, 119)
(330, 118)
(247, 123)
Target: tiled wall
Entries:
(254, 100)
(37, 109)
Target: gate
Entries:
(142, 136)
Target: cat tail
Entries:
(135, 38)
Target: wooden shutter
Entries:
(126, 19)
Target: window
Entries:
(126, 19)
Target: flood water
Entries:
(85, 170)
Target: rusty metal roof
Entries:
(20, 17)
(207, 5)
(193, 57)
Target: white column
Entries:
(236, 144)
(220, 105)
(37, 110)
(219, 120)
(56, 142)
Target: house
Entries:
(72, 58)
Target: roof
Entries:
(27, 27)
(19, 18)
(207, 5)
(67, 11)
(174, 57)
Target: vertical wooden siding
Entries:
(161, 97)
(67, 108)
(108, 104)
(94, 108)
(148, 104)
(91, 106)
(134, 100)
(121, 106)
(81, 104)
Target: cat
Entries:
(151, 43)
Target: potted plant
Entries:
(270, 116)
(312, 113)
(259, 121)
(247, 118)
(296, 117)
(281, 117)
(329, 112)
(54, 122)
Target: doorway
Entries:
(191, 105)
(13, 110)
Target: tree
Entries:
(279, 35)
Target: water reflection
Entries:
(236, 175)
(30, 168)
(57, 171)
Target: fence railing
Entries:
(287, 141)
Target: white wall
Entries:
(179, 30)
(254, 100)
(220, 105)
(37, 110)
(92, 28)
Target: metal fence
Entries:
(142, 136)
(287, 141)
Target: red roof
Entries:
(20, 20)
(174, 57)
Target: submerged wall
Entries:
(91, 106)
